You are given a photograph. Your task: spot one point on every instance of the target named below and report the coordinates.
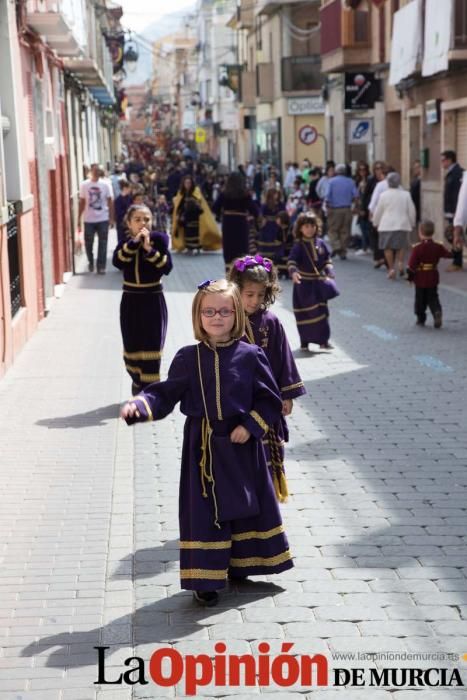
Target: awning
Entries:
(438, 36)
(406, 41)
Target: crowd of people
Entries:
(237, 385)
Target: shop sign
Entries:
(200, 135)
(360, 131)
(432, 109)
(361, 90)
(305, 105)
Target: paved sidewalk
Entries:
(377, 518)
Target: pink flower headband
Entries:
(251, 261)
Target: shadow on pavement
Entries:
(96, 417)
(147, 625)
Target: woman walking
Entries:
(233, 206)
(193, 226)
(394, 217)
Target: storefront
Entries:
(268, 142)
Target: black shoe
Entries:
(100, 271)
(420, 322)
(304, 346)
(334, 253)
(438, 316)
(91, 267)
(343, 257)
(206, 598)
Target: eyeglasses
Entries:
(210, 312)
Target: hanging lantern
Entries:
(131, 55)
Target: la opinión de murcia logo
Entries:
(167, 667)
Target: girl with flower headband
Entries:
(309, 266)
(230, 524)
(257, 280)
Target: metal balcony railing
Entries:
(301, 73)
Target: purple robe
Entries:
(228, 513)
(269, 242)
(235, 213)
(312, 259)
(265, 330)
(143, 311)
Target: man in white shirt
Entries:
(96, 208)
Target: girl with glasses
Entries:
(230, 524)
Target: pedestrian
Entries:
(256, 279)
(313, 199)
(460, 218)
(144, 257)
(233, 206)
(193, 226)
(309, 264)
(394, 217)
(96, 208)
(287, 241)
(361, 180)
(230, 523)
(258, 182)
(379, 172)
(305, 171)
(341, 195)
(296, 200)
(329, 172)
(187, 212)
(162, 213)
(269, 238)
(122, 203)
(415, 188)
(452, 185)
(423, 273)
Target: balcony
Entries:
(269, 7)
(246, 15)
(345, 38)
(61, 22)
(265, 82)
(248, 88)
(95, 71)
(301, 73)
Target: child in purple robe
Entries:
(230, 524)
(143, 256)
(257, 280)
(310, 261)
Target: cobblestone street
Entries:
(377, 469)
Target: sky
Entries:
(138, 14)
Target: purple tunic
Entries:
(269, 241)
(311, 259)
(265, 330)
(229, 516)
(235, 225)
(143, 311)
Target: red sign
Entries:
(308, 135)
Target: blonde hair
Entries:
(228, 289)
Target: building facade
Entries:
(56, 88)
